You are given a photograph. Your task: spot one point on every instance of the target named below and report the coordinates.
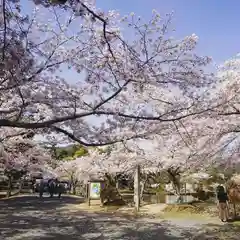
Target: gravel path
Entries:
(30, 218)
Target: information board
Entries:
(94, 191)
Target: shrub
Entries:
(203, 195)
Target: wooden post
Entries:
(88, 193)
(137, 189)
(185, 191)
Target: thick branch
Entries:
(229, 113)
(48, 123)
(5, 29)
(14, 135)
(236, 111)
(73, 137)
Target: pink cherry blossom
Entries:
(21, 153)
(74, 69)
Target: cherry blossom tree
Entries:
(76, 171)
(226, 90)
(126, 88)
(223, 120)
(236, 179)
(218, 149)
(107, 164)
(194, 149)
(182, 152)
(20, 156)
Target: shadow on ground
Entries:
(2, 195)
(31, 218)
(225, 232)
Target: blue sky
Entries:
(216, 22)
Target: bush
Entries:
(203, 195)
(115, 202)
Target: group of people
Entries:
(52, 186)
(223, 204)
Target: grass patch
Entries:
(237, 223)
(183, 215)
(184, 208)
(194, 211)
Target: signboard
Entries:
(94, 190)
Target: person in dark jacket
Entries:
(52, 187)
(222, 198)
(40, 187)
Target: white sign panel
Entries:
(94, 190)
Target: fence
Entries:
(26, 186)
(172, 199)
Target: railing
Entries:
(26, 187)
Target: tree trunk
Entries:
(174, 177)
(20, 186)
(86, 191)
(74, 189)
(177, 188)
(142, 187)
(117, 184)
(9, 190)
(73, 185)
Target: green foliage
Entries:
(75, 151)
(80, 152)
(62, 153)
(71, 152)
(160, 188)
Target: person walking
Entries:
(51, 187)
(222, 198)
(41, 186)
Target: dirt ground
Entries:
(31, 218)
